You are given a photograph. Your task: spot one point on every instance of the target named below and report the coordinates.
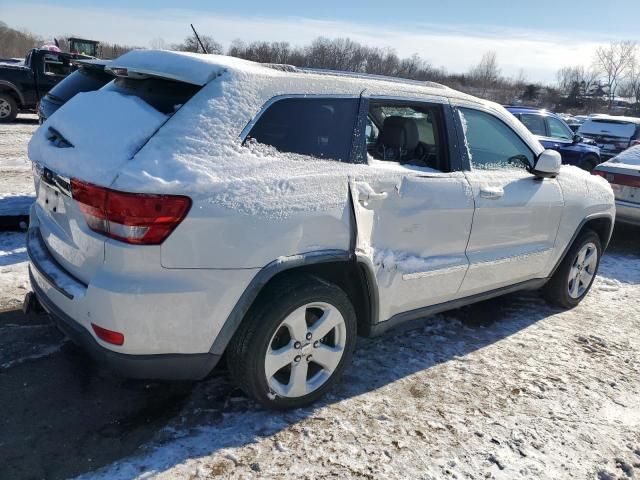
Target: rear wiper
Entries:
(57, 139)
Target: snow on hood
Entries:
(195, 68)
(105, 128)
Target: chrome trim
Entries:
(57, 182)
(245, 131)
(511, 258)
(432, 273)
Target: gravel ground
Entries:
(508, 388)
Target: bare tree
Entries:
(158, 43)
(191, 44)
(633, 78)
(613, 61)
(487, 72)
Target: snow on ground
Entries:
(14, 281)
(510, 388)
(16, 183)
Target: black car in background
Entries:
(89, 76)
(24, 83)
(613, 134)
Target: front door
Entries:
(517, 215)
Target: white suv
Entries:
(200, 205)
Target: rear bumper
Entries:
(627, 212)
(161, 367)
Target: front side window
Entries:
(557, 129)
(407, 134)
(491, 144)
(317, 127)
(534, 123)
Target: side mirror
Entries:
(577, 138)
(548, 164)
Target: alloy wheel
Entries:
(582, 270)
(5, 108)
(305, 350)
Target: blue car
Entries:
(554, 133)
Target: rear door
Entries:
(413, 220)
(516, 214)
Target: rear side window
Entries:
(491, 144)
(318, 127)
(82, 80)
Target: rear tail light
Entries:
(136, 218)
(619, 178)
(109, 336)
(623, 144)
(634, 143)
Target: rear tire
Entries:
(8, 108)
(294, 343)
(573, 279)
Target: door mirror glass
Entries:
(548, 164)
(577, 138)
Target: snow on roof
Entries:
(617, 118)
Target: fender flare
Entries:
(583, 222)
(261, 279)
(14, 89)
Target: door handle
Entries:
(491, 193)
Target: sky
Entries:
(536, 38)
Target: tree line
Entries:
(614, 71)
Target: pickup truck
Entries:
(24, 83)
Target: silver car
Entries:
(623, 173)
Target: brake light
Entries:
(634, 143)
(109, 336)
(137, 218)
(598, 172)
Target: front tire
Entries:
(573, 279)
(294, 344)
(8, 108)
(589, 163)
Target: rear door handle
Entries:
(491, 193)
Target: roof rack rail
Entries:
(343, 73)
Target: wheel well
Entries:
(602, 226)
(349, 276)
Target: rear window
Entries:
(631, 156)
(82, 80)
(318, 127)
(164, 95)
(609, 127)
